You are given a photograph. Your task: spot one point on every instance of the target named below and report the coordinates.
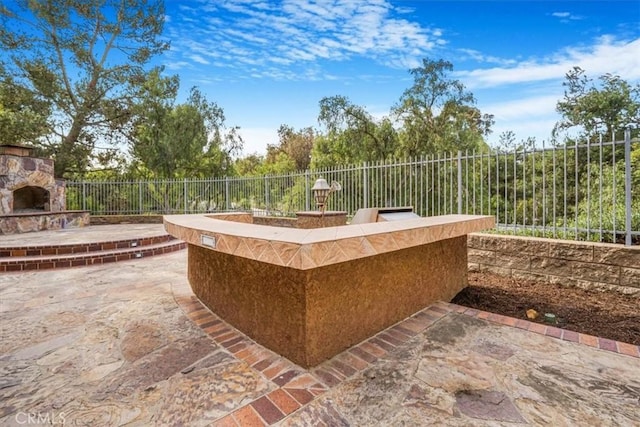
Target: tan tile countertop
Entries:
(310, 248)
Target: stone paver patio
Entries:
(128, 344)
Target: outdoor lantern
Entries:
(321, 190)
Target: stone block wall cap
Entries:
(16, 150)
(552, 241)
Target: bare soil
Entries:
(604, 314)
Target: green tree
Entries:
(248, 165)
(280, 164)
(611, 215)
(326, 152)
(354, 135)
(83, 57)
(437, 113)
(155, 100)
(295, 144)
(507, 143)
(184, 140)
(23, 116)
(608, 106)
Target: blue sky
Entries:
(268, 63)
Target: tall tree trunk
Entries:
(65, 158)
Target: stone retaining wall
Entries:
(583, 264)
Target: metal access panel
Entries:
(396, 214)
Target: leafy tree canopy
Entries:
(296, 145)
(248, 165)
(353, 133)
(507, 143)
(172, 140)
(608, 106)
(23, 116)
(437, 113)
(82, 57)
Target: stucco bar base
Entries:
(311, 315)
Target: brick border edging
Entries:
(552, 331)
(298, 387)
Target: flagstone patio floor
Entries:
(129, 344)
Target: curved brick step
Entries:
(77, 248)
(87, 254)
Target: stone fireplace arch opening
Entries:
(31, 198)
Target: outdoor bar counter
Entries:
(309, 294)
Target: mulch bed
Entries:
(604, 314)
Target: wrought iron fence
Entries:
(588, 191)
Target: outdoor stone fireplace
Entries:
(31, 199)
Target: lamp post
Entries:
(321, 190)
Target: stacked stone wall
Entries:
(583, 264)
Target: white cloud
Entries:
(621, 58)
(528, 107)
(482, 58)
(256, 139)
(199, 59)
(533, 116)
(537, 84)
(296, 33)
(538, 128)
(177, 65)
(566, 16)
